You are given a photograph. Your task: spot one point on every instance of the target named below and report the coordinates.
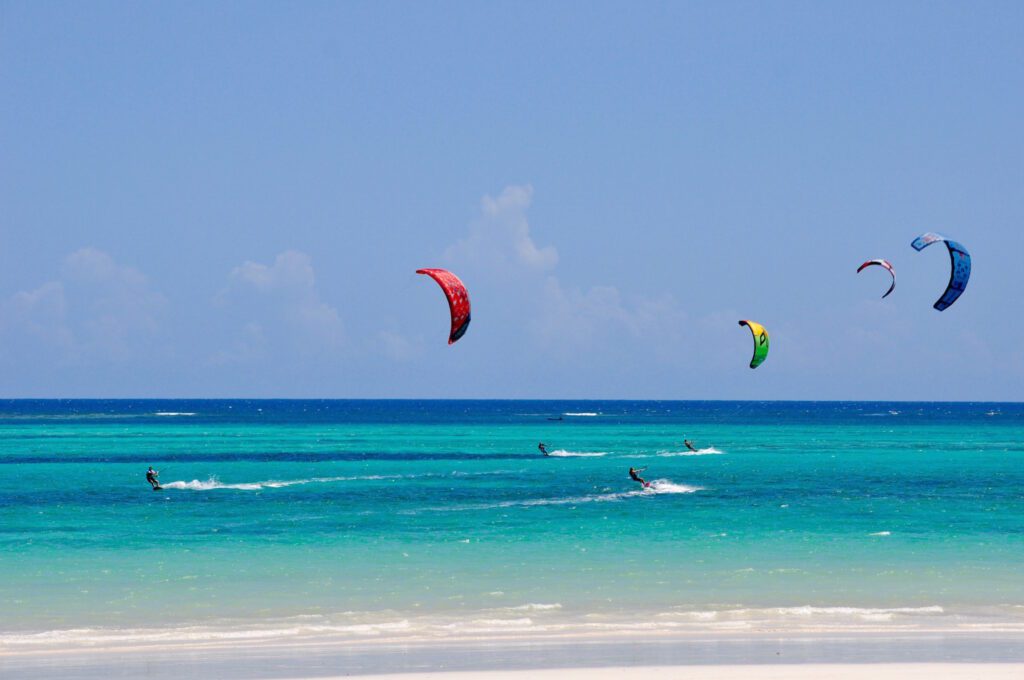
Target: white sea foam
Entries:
(536, 607)
(210, 484)
(189, 634)
(806, 611)
(581, 415)
(660, 486)
(502, 623)
(538, 618)
(709, 451)
(173, 413)
(881, 533)
(560, 453)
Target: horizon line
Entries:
(510, 399)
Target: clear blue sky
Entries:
(230, 199)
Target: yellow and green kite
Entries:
(760, 342)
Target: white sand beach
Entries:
(791, 655)
(923, 671)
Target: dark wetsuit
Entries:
(543, 449)
(689, 445)
(151, 478)
(635, 476)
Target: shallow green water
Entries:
(441, 514)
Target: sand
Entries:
(894, 671)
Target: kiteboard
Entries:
(158, 488)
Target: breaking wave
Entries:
(536, 607)
(512, 621)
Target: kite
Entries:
(887, 265)
(959, 267)
(458, 300)
(760, 342)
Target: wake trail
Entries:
(560, 453)
(664, 486)
(709, 451)
(213, 483)
(657, 487)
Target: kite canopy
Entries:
(458, 300)
(760, 342)
(881, 263)
(959, 265)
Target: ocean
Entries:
(413, 520)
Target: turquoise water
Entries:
(441, 518)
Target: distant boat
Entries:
(558, 418)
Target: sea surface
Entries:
(368, 520)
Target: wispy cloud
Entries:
(503, 258)
(97, 311)
(277, 311)
(500, 238)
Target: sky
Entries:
(231, 199)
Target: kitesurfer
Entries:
(542, 447)
(689, 444)
(634, 474)
(151, 477)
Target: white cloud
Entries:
(507, 264)
(500, 239)
(90, 265)
(97, 311)
(292, 271)
(398, 347)
(278, 312)
(601, 317)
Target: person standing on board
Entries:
(634, 474)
